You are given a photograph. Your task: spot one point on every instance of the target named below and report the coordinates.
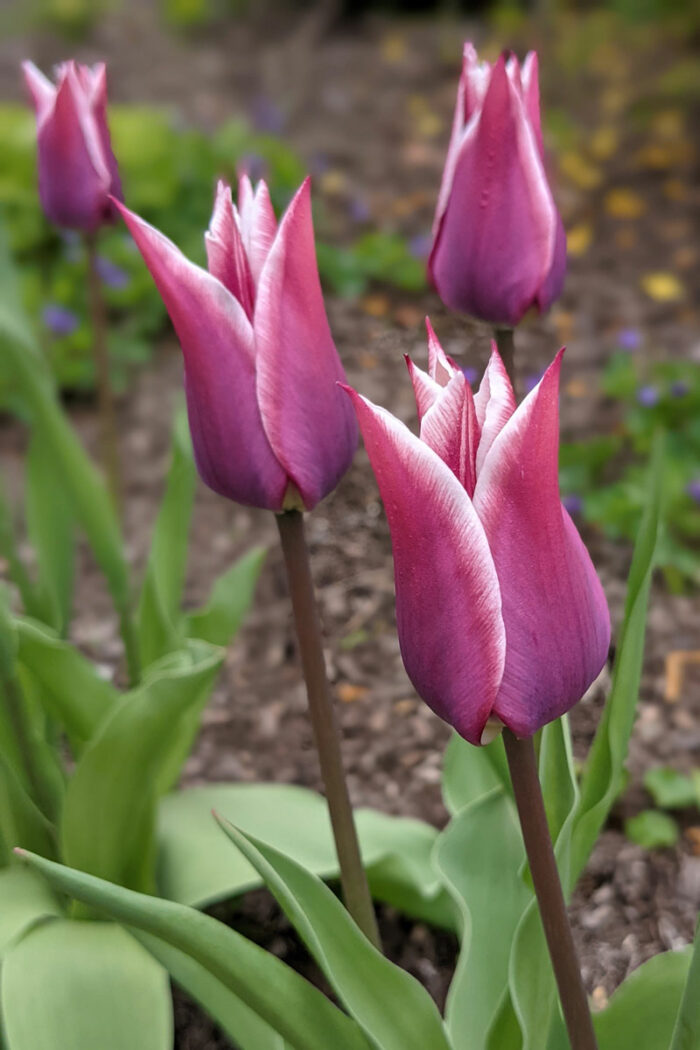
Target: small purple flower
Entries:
(112, 275)
(693, 489)
(629, 338)
(359, 209)
(679, 388)
(471, 375)
(648, 396)
(532, 380)
(572, 503)
(59, 320)
(419, 246)
(319, 163)
(267, 115)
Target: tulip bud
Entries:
(270, 427)
(499, 246)
(77, 169)
(501, 617)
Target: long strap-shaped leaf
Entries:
(390, 1005)
(686, 1031)
(288, 1002)
(603, 774)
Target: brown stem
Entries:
(550, 898)
(505, 341)
(325, 726)
(109, 440)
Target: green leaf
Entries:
(479, 855)
(197, 866)
(602, 777)
(286, 1001)
(686, 1030)
(669, 788)
(84, 488)
(108, 810)
(652, 830)
(16, 569)
(26, 900)
(159, 617)
(21, 821)
(84, 985)
(470, 772)
(68, 685)
(218, 621)
(642, 1011)
(394, 1010)
(50, 528)
(231, 1014)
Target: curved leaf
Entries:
(26, 899)
(470, 772)
(286, 1001)
(642, 1011)
(220, 617)
(394, 1010)
(84, 985)
(686, 1031)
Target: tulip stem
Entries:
(505, 341)
(522, 763)
(109, 441)
(324, 722)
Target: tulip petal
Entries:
(531, 95)
(232, 452)
(98, 104)
(440, 368)
(450, 428)
(553, 285)
(225, 252)
(40, 88)
(494, 243)
(556, 617)
(447, 595)
(494, 403)
(258, 224)
(73, 180)
(425, 389)
(308, 421)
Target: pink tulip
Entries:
(501, 616)
(499, 246)
(77, 169)
(269, 425)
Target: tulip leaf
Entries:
(50, 528)
(479, 855)
(159, 617)
(390, 1005)
(642, 1011)
(21, 820)
(470, 772)
(219, 619)
(197, 866)
(66, 683)
(26, 900)
(108, 813)
(84, 985)
(88, 496)
(270, 988)
(32, 600)
(603, 775)
(246, 1028)
(686, 1030)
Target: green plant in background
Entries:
(167, 175)
(604, 477)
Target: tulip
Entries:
(499, 246)
(77, 169)
(501, 617)
(270, 427)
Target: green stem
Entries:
(109, 439)
(522, 763)
(324, 722)
(505, 341)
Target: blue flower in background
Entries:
(359, 209)
(532, 380)
(629, 338)
(648, 396)
(112, 275)
(693, 489)
(267, 115)
(679, 389)
(572, 503)
(471, 375)
(419, 246)
(59, 320)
